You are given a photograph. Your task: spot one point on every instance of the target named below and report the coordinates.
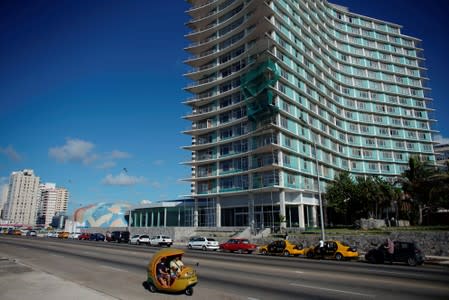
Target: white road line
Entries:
(251, 298)
(112, 268)
(299, 272)
(332, 290)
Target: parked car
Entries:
(140, 239)
(161, 240)
(74, 235)
(282, 247)
(333, 250)
(31, 233)
(238, 245)
(119, 236)
(406, 252)
(63, 235)
(97, 237)
(84, 236)
(52, 234)
(203, 243)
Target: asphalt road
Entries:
(119, 270)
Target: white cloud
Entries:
(145, 202)
(11, 153)
(107, 165)
(440, 139)
(156, 184)
(158, 162)
(116, 154)
(74, 150)
(122, 179)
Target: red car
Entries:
(238, 245)
(84, 236)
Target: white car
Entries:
(203, 243)
(52, 234)
(161, 240)
(139, 239)
(74, 235)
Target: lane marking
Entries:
(332, 290)
(112, 268)
(299, 272)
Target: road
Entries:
(119, 270)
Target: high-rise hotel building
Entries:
(53, 201)
(288, 93)
(22, 203)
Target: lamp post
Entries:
(317, 166)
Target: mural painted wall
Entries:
(102, 215)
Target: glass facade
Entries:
(279, 85)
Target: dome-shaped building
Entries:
(102, 215)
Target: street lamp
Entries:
(317, 166)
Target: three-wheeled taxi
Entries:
(158, 280)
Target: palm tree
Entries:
(415, 182)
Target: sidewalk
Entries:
(18, 281)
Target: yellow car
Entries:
(63, 235)
(282, 247)
(333, 250)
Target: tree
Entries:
(417, 183)
(341, 196)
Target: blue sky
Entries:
(91, 88)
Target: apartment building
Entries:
(288, 93)
(53, 201)
(23, 198)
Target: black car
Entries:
(97, 237)
(406, 252)
(119, 237)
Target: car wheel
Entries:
(138, 243)
(264, 252)
(411, 261)
(286, 253)
(310, 254)
(189, 246)
(189, 291)
(338, 256)
(204, 248)
(152, 288)
(371, 259)
(240, 251)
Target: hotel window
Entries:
(288, 141)
(369, 142)
(386, 154)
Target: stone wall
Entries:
(431, 243)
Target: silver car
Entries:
(203, 243)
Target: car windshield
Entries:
(244, 241)
(211, 240)
(144, 236)
(165, 237)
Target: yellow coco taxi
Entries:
(333, 250)
(282, 247)
(162, 277)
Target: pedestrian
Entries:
(389, 247)
(321, 248)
